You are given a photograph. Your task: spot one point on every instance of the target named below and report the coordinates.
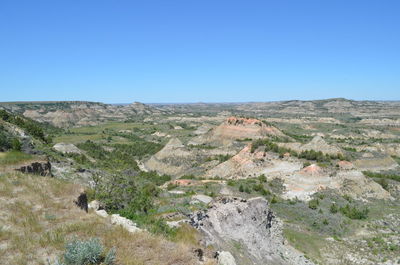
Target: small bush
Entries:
(334, 208)
(89, 252)
(262, 178)
(354, 213)
(313, 204)
(384, 183)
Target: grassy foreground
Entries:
(38, 217)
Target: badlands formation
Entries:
(294, 182)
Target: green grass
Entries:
(306, 242)
(77, 138)
(382, 176)
(13, 157)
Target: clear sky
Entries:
(118, 51)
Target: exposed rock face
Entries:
(248, 229)
(308, 181)
(176, 159)
(78, 113)
(312, 170)
(42, 168)
(240, 128)
(246, 164)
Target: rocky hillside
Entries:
(79, 113)
(249, 230)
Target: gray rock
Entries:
(67, 148)
(95, 205)
(202, 198)
(102, 213)
(225, 258)
(248, 229)
(116, 219)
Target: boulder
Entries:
(67, 148)
(95, 205)
(102, 213)
(225, 258)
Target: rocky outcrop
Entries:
(240, 128)
(80, 113)
(176, 159)
(247, 164)
(127, 224)
(42, 168)
(310, 180)
(248, 229)
(67, 148)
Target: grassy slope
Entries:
(38, 217)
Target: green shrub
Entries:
(353, 213)
(382, 176)
(313, 204)
(5, 142)
(262, 178)
(334, 208)
(384, 183)
(89, 252)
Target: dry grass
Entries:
(38, 216)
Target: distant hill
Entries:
(78, 113)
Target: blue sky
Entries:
(191, 51)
